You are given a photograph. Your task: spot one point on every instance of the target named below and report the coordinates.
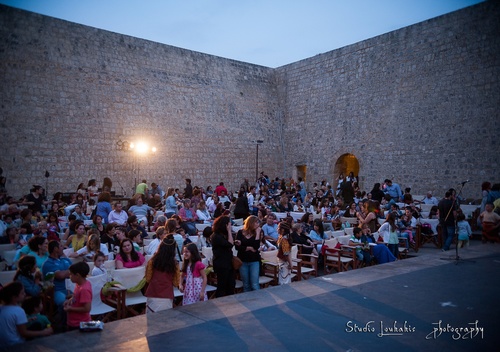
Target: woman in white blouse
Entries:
(202, 212)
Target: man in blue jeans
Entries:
(447, 214)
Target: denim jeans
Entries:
(394, 249)
(450, 233)
(363, 256)
(406, 237)
(249, 273)
(191, 228)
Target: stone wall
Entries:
(70, 92)
(418, 105)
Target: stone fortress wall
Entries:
(418, 105)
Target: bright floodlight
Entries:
(142, 147)
(153, 149)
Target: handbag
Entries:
(237, 263)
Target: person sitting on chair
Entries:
(491, 224)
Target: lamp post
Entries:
(258, 142)
(138, 149)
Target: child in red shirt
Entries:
(78, 307)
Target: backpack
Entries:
(426, 229)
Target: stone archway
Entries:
(345, 164)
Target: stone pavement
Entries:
(392, 307)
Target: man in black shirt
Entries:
(34, 200)
(447, 215)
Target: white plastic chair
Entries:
(270, 265)
(331, 243)
(194, 239)
(433, 222)
(207, 253)
(296, 215)
(98, 306)
(349, 231)
(7, 276)
(238, 222)
(426, 207)
(8, 257)
(130, 278)
(317, 215)
(201, 227)
(280, 216)
(344, 240)
(270, 256)
(352, 221)
(110, 265)
(6, 247)
(337, 233)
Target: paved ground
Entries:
(353, 311)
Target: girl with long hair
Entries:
(93, 246)
(247, 243)
(28, 275)
(222, 244)
(317, 234)
(389, 232)
(128, 257)
(162, 275)
(194, 277)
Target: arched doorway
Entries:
(344, 165)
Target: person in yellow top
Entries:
(79, 239)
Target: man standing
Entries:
(142, 188)
(447, 215)
(346, 190)
(251, 200)
(245, 185)
(393, 190)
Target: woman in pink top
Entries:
(128, 257)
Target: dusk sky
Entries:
(265, 32)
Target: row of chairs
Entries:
(123, 303)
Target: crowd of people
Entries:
(99, 229)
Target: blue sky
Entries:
(266, 32)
